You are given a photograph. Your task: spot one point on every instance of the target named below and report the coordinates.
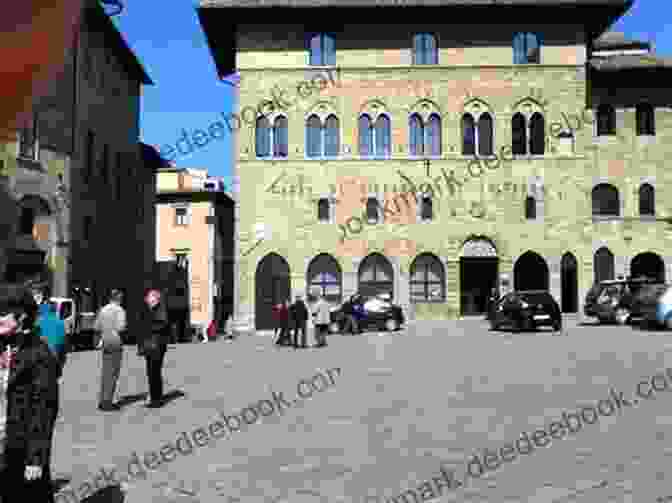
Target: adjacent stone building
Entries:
(530, 143)
(194, 227)
(82, 181)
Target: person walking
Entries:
(321, 320)
(110, 322)
(300, 317)
(153, 344)
(28, 393)
(351, 324)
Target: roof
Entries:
(630, 62)
(617, 40)
(220, 18)
(98, 19)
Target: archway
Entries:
(569, 284)
(603, 265)
(376, 276)
(530, 272)
(325, 275)
(479, 266)
(648, 264)
(272, 285)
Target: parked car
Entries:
(613, 301)
(79, 331)
(654, 305)
(526, 310)
(372, 311)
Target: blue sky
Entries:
(168, 40)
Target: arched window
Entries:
(425, 140)
(382, 137)
(365, 136)
(426, 209)
(425, 49)
(530, 208)
(605, 200)
(468, 135)
(372, 210)
(606, 120)
(332, 137)
(376, 276)
(263, 137)
(322, 49)
(280, 148)
(484, 134)
(427, 279)
(526, 49)
(434, 135)
(646, 124)
(537, 134)
(322, 140)
(323, 210)
(417, 135)
(313, 136)
(647, 200)
(603, 265)
(324, 275)
(519, 134)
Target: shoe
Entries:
(109, 407)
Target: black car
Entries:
(615, 300)
(370, 311)
(649, 304)
(526, 310)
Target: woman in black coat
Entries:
(28, 398)
(153, 344)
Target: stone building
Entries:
(529, 142)
(82, 181)
(194, 227)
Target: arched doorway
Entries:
(530, 272)
(479, 266)
(325, 276)
(648, 264)
(272, 286)
(569, 283)
(603, 265)
(376, 276)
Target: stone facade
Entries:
(93, 202)
(473, 75)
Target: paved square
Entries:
(403, 406)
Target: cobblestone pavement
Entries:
(402, 405)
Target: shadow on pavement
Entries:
(172, 395)
(110, 494)
(129, 399)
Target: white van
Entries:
(78, 326)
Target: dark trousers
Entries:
(300, 326)
(351, 324)
(15, 488)
(111, 367)
(154, 361)
(285, 336)
(321, 334)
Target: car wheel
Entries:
(621, 315)
(557, 326)
(391, 325)
(334, 327)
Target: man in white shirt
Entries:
(110, 322)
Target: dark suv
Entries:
(615, 300)
(526, 310)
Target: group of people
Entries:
(33, 352)
(298, 319)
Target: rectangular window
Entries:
(88, 227)
(181, 216)
(90, 156)
(28, 145)
(322, 49)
